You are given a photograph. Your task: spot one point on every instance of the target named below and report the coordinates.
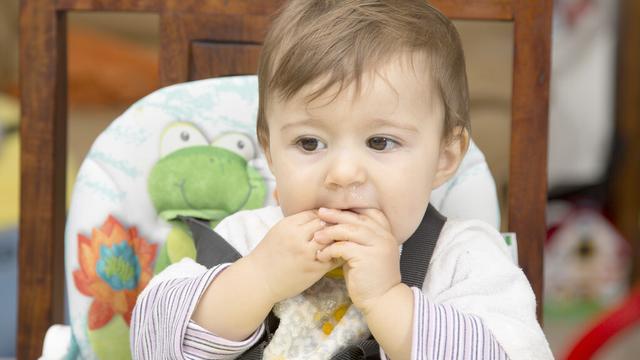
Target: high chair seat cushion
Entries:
(188, 149)
(191, 150)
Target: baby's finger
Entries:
(377, 216)
(339, 250)
(336, 216)
(312, 227)
(345, 232)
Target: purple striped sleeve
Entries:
(161, 326)
(200, 343)
(441, 332)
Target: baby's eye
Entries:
(310, 144)
(381, 143)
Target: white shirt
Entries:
(474, 300)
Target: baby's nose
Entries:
(345, 171)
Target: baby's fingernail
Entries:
(323, 210)
(322, 223)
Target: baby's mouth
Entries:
(356, 208)
(359, 210)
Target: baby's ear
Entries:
(452, 151)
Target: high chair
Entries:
(202, 39)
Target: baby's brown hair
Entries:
(340, 40)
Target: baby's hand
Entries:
(371, 252)
(285, 259)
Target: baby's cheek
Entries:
(295, 202)
(404, 223)
(297, 190)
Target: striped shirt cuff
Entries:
(199, 343)
(441, 332)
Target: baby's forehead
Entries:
(395, 101)
(400, 75)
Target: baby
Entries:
(363, 112)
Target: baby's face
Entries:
(380, 150)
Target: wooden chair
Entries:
(207, 38)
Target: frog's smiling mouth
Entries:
(181, 186)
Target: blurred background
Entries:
(594, 151)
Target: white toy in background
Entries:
(586, 259)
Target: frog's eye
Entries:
(179, 136)
(238, 143)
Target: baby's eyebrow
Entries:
(373, 123)
(307, 122)
(380, 122)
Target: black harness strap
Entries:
(212, 250)
(418, 249)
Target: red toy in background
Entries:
(614, 322)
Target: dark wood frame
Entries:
(198, 39)
(624, 193)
